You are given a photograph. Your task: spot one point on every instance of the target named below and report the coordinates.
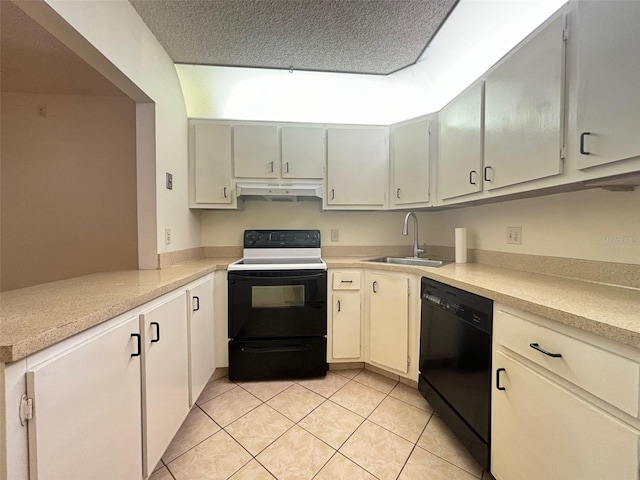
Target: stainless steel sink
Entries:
(422, 262)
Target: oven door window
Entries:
(278, 296)
(277, 304)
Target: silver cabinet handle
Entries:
(375, 285)
(486, 178)
(338, 306)
(398, 193)
(224, 192)
(271, 167)
(333, 194)
(471, 177)
(286, 167)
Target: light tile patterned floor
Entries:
(352, 425)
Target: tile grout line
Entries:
(324, 398)
(415, 445)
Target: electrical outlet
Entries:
(335, 234)
(169, 181)
(167, 236)
(514, 235)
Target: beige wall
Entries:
(116, 30)
(591, 225)
(68, 187)
(224, 228)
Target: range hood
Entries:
(290, 192)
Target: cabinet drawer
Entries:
(602, 373)
(542, 431)
(346, 281)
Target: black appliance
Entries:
(278, 307)
(455, 362)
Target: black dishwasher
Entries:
(455, 362)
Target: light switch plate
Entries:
(514, 235)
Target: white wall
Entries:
(592, 225)
(477, 34)
(114, 28)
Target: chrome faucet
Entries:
(405, 231)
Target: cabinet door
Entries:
(165, 374)
(608, 81)
(410, 153)
(302, 152)
(541, 430)
(201, 336)
(212, 163)
(357, 166)
(345, 325)
(524, 111)
(86, 421)
(389, 320)
(460, 145)
(255, 151)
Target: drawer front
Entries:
(606, 375)
(542, 431)
(346, 281)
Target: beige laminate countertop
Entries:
(36, 317)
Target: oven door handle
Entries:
(288, 348)
(315, 276)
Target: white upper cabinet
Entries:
(211, 165)
(410, 159)
(255, 151)
(302, 152)
(608, 82)
(357, 167)
(460, 144)
(524, 111)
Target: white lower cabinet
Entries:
(388, 302)
(345, 317)
(201, 336)
(86, 409)
(165, 374)
(543, 425)
(108, 401)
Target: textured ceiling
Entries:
(354, 36)
(34, 61)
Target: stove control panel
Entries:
(282, 239)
